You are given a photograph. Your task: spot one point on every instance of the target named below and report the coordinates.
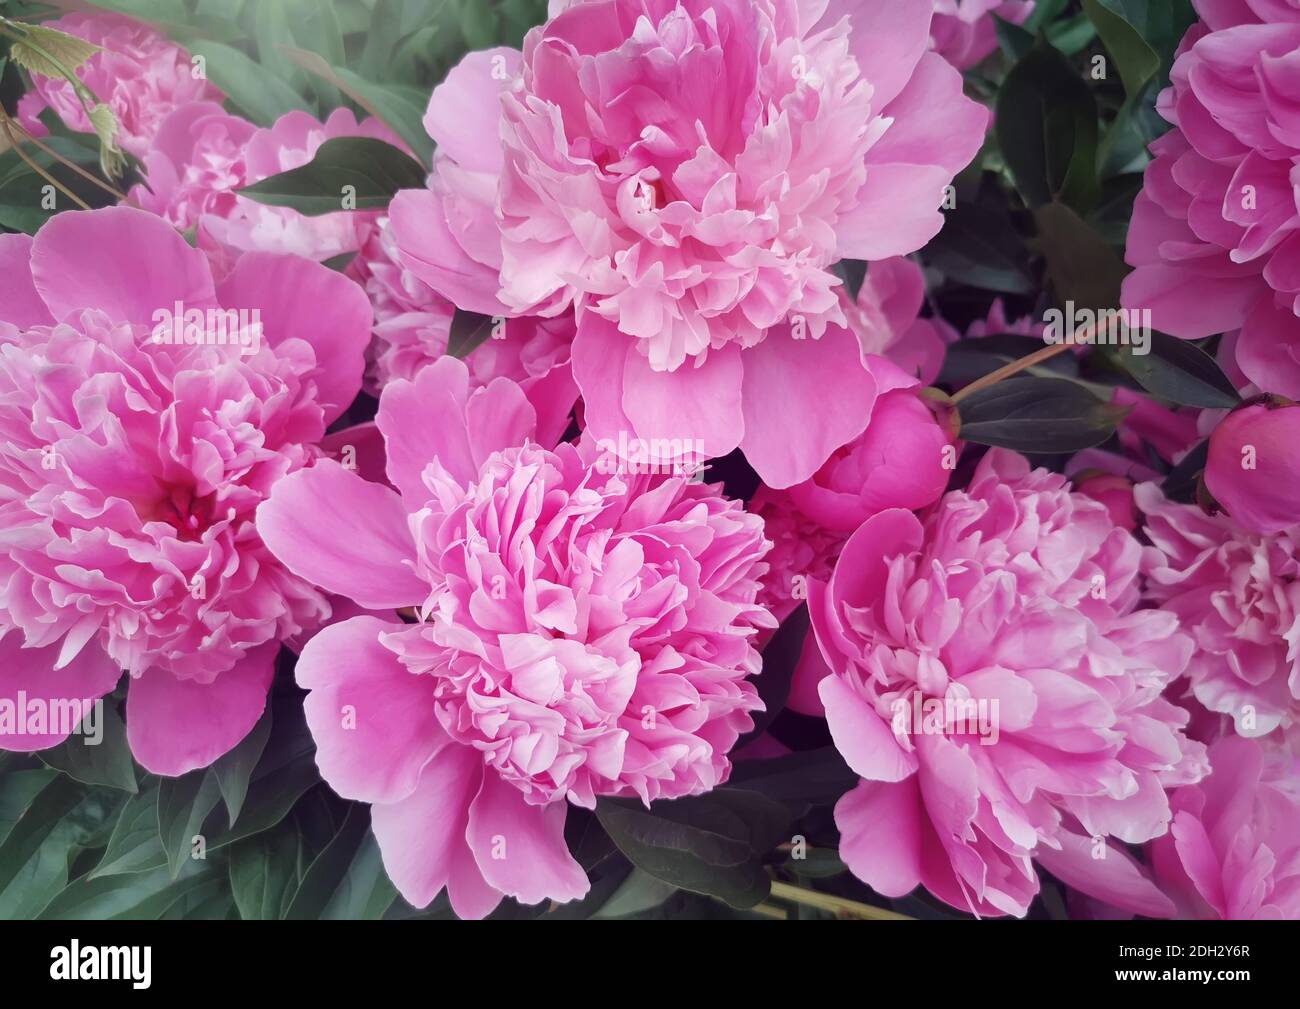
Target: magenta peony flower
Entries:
(413, 328)
(134, 455)
(685, 174)
(963, 32)
(1114, 490)
(1238, 594)
(1233, 850)
(1253, 466)
(580, 632)
(140, 74)
(997, 690)
(1214, 236)
(202, 155)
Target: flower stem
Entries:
(26, 137)
(841, 906)
(5, 125)
(1079, 337)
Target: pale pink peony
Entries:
(412, 329)
(202, 156)
(1215, 235)
(1233, 850)
(140, 74)
(579, 633)
(1020, 592)
(131, 469)
(685, 174)
(1238, 594)
(963, 31)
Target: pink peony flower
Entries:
(1238, 594)
(963, 32)
(139, 74)
(1215, 235)
(685, 174)
(1114, 490)
(998, 692)
(133, 459)
(801, 551)
(580, 633)
(202, 156)
(1233, 850)
(1253, 466)
(413, 328)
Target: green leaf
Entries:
(711, 844)
(134, 845)
(469, 330)
(1038, 416)
(51, 53)
(1179, 371)
(234, 769)
(638, 893)
(1082, 266)
(146, 895)
(802, 779)
(263, 870)
(402, 116)
(1046, 127)
(1135, 57)
(18, 790)
(1182, 482)
(183, 805)
(967, 360)
(258, 92)
(1013, 40)
(979, 246)
(780, 659)
(346, 880)
(107, 762)
(373, 170)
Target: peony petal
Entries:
(22, 305)
(422, 838)
(28, 674)
(464, 111)
(430, 251)
(175, 726)
(350, 537)
(423, 420)
(880, 835)
(375, 723)
(803, 399)
(865, 740)
(124, 262)
(521, 848)
(299, 299)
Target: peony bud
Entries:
(1253, 469)
(902, 460)
(1112, 490)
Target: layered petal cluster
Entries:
(1215, 235)
(1233, 850)
(684, 174)
(579, 632)
(963, 31)
(412, 329)
(202, 155)
(1238, 594)
(139, 73)
(999, 694)
(144, 414)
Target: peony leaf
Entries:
(1044, 416)
(347, 173)
(50, 53)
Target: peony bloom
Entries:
(1215, 235)
(133, 459)
(580, 632)
(202, 156)
(684, 174)
(1253, 466)
(413, 328)
(1238, 594)
(999, 694)
(1233, 850)
(141, 75)
(963, 32)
